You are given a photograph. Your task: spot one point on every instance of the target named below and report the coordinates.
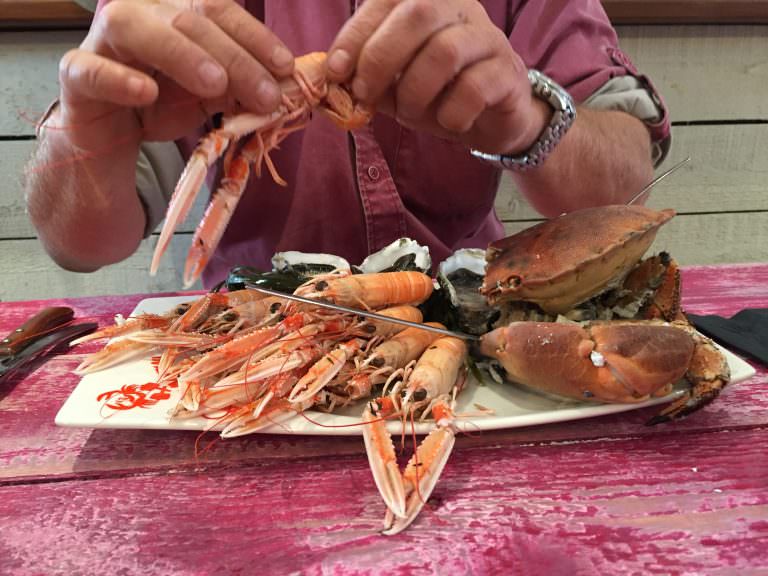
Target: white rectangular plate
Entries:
(125, 396)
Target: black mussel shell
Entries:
(285, 281)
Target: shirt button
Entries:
(373, 173)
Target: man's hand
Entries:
(157, 69)
(441, 67)
(148, 70)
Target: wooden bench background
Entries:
(714, 78)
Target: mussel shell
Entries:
(282, 281)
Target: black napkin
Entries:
(745, 331)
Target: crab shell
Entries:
(562, 262)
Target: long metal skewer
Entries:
(658, 179)
(365, 313)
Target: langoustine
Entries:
(305, 91)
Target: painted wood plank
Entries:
(33, 448)
(704, 72)
(705, 238)
(650, 507)
(686, 11)
(695, 67)
(727, 172)
(26, 271)
(49, 13)
(29, 65)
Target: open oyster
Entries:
(458, 304)
(400, 255)
(307, 263)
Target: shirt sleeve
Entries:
(157, 171)
(628, 94)
(573, 42)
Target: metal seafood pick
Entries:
(364, 313)
(657, 180)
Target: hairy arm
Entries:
(148, 70)
(83, 201)
(605, 158)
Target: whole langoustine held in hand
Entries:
(306, 90)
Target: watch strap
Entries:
(562, 119)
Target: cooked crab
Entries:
(562, 262)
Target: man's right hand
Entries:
(156, 69)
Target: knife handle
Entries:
(42, 322)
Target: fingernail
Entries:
(281, 57)
(339, 62)
(211, 73)
(360, 89)
(268, 94)
(135, 86)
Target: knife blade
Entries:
(365, 313)
(35, 327)
(42, 346)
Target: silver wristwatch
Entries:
(565, 113)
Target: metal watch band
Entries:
(565, 113)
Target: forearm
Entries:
(605, 158)
(81, 195)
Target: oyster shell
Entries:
(308, 264)
(459, 303)
(400, 255)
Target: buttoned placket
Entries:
(382, 206)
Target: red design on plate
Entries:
(132, 396)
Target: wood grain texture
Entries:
(686, 11)
(728, 172)
(14, 221)
(619, 506)
(705, 238)
(35, 12)
(704, 72)
(29, 63)
(26, 271)
(695, 67)
(606, 495)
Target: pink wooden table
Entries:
(597, 496)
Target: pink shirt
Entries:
(396, 182)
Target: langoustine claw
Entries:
(430, 388)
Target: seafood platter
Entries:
(566, 321)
